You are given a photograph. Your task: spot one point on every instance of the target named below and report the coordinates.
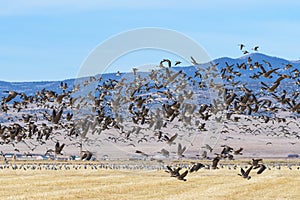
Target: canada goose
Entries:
(246, 174)
(140, 102)
(63, 86)
(281, 77)
(180, 150)
(208, 147)
(183, 175)
(194, 61)
(261, 168)
(170, 140)
(241, 46)
(215, 162)
(255, 48)
(11, 96)
(58, 148)
(49, 151)
(142, 153)
(203, 154)
(165, 153)
(255, 162)
(134, 71)
(87, 155)
(69, 116)
(270, 89)
(196, 167)
(238, 152)
(173, 172)
(267, 74)
(56, 116)
(226, 149)
(165, 60)
(177, 63)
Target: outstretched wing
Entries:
(242, 171)
(183, 174)
(215, 162)
(57, 145)
(173, 138)
(248, 171)
(61, 148)
(169, 169)
(57, 117)
(261, 169)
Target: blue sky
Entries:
(49, 40)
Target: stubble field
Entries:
(223, 183)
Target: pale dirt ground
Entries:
(259, 139)
(256, 144)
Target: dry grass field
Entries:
(147, 184)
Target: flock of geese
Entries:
(227, 153)
(173, 170)
(140, 107)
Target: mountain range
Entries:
(30, 88)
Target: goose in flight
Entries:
(241, 46)
(261, 167)
(238, 152)
(56, 116)
(215, 162)
(267, 74)
(141, 153)
(196, 167)
(165, 60)
(11, 96)
(171, 139)
(180, 150)
(58, 148)
(173, 172)
(255, 48)
(271, 88)
(183, 175)
(208, 147)
(87, 155)
(177, 63)
(226, 149)
(63, 86)
(245, 174)
(255, 162)
(194, 61)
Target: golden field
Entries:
(148, 184)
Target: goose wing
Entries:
(248, 171)
(242, 171)
(215, 162)
(57, 117)
(261, 169)
(181, 176)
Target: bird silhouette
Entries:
(183, 175)
(246, 174)
(58, 148)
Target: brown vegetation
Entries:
(145, 184)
